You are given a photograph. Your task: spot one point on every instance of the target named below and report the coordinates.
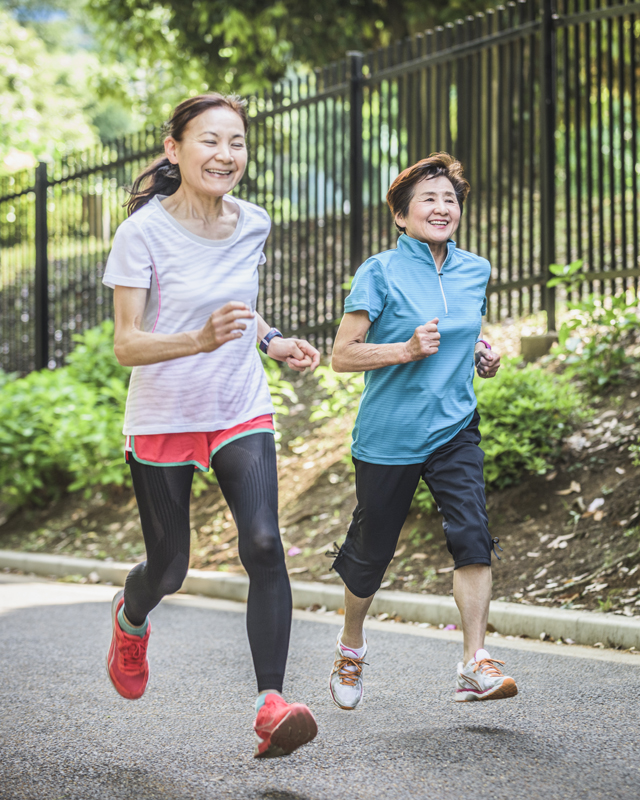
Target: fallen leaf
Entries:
(594, 505)
(294, 551)
(533, 555)
(451, 627)
(598, 515)
(400, 551)
(298, 570)
(419, 556)
(382, 617)
(620, 470)
(575, 487)
(551, 475)
(385, 585)
(444, 569)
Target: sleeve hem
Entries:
(120, 280)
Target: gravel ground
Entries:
(572, 732)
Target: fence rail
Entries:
(538, 99)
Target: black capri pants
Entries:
(384, 493)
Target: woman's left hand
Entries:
(489, 362)
(297, 353)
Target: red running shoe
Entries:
(127, 663)
(281, 728)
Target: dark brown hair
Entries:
(401, 190)
(163, 177)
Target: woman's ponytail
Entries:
(160, 177)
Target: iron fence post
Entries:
(41, 286)
(356, 182)
(549, 80)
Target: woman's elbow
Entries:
(121, 355)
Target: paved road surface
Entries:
(64, 733)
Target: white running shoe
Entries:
(482, 679)
(345, 682)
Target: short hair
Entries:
(402, 189)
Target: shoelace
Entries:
(131, 655)
(349, 677)
(488, 667)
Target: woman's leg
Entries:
(163, 495)
(247, 473)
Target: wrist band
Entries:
(264, 344)
(482, 341)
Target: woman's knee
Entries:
(173, 575)
(261, 546)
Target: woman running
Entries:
(184, 267)
(412, 323)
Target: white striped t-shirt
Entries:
(187, 278)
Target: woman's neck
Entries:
(185, 204)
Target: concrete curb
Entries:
(584, 627)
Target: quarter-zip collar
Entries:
(420, 251)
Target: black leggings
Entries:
(247, 474)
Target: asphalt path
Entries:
(572, 732)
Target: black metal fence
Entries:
(538, 99)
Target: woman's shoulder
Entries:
(134, 224)
(466, 257)
(252, 210)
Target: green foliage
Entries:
(343, 392)
(93, 360)
(525, 415)
(635, 449)
(595, 341)
(56, 434)
(244, 46)
(43, 95)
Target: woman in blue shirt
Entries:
(411, 323)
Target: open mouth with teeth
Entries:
(439, 223)
(219, 172)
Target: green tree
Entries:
(245, 44)
(42, 95)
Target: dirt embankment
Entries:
(570, 538)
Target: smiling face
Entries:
(212, 154)
(434, 213)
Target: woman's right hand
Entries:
(223, 325)
(424, 342)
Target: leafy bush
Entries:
(57, 433)
(594, 343)
(525, 415)
(343, 392)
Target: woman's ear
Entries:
(399, 222)
(171, 150)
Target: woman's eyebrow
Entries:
(213, 133)
(427, 192)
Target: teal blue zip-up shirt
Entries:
(409, 410)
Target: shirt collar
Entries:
(420, 251)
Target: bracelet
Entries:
(264, 344)
(482, 341)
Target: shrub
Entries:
(525, 414)
(596, 339)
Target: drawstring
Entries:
(333, 553)
(495, 544)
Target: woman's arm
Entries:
(352, 354)
(134, 347)
(297, 353)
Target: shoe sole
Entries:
(114, 605)
(298, 727)
(506, 689)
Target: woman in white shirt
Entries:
(184, 267)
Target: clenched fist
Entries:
(223, 325)
(424, 342)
